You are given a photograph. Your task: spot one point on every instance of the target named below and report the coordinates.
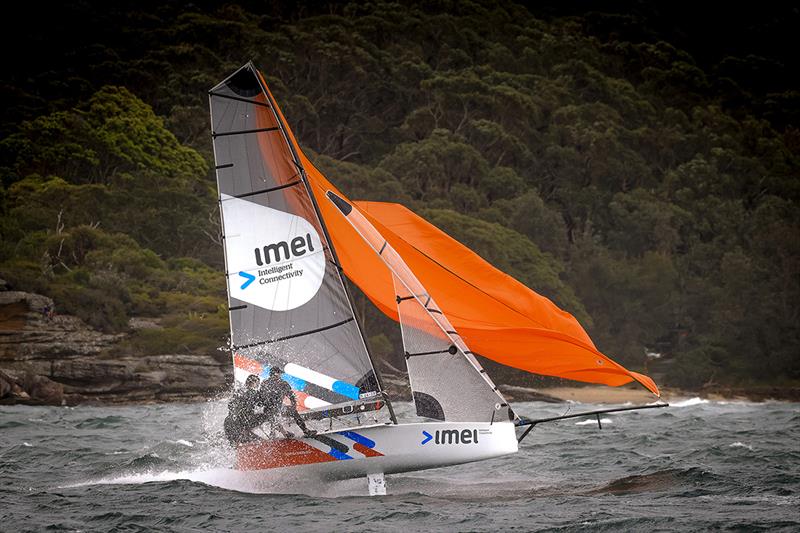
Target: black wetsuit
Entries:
(273, 391)
(242, 417)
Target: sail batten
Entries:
(296, 335)
(267, 191)
(241, 132)
(229, 97)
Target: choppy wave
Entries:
(700, 465)
(661, 480)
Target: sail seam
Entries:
(287, 337)
(241, 132)
(238, 99)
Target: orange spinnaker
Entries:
(497, 316)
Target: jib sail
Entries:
(446, 379)
(287, 299)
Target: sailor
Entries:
(242, 417)
(273, 390)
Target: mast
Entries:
(222, 232)
(337, 264)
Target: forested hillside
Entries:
(646, 182)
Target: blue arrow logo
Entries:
(249, 277)
(428, 437)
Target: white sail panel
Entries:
(275, 259)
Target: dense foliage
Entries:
(646, 185)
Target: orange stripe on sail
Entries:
(245, 363)
(301, 400)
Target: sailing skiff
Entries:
(290, 239)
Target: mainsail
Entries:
(288, 302)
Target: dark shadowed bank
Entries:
(636, 165)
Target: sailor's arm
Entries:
(291, 396)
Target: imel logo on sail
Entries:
(283, 250)
(278, 256)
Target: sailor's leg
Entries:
(377, 484)
(302, 425)
(299, 421)
(294, 415)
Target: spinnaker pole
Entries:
(531, 423)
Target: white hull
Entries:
(382, 449)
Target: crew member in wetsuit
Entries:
(273, 391)
(242, 417)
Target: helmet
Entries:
(251, 381)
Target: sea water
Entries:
(696, 465)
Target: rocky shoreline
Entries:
(59, 360)
(48, 359)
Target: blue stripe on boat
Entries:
(339, 455)
(361, 439)
(294, 382)
(351, 391)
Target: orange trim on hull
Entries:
(278, 453)
(369, 452)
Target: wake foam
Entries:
(594, 422)
(254, 482)
(690, 402)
